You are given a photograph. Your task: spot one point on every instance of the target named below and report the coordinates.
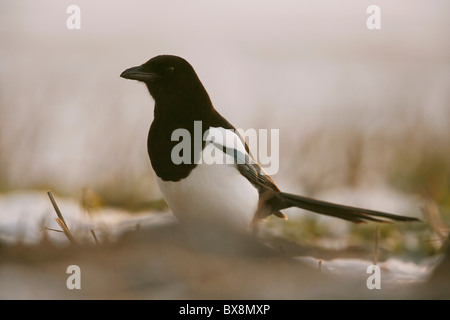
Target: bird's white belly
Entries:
(215, 193)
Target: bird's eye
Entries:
(168, 71)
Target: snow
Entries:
(393, 270)
(23, 215)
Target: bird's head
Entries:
(167, 78)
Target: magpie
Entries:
(238, 193)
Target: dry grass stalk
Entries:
(376, 249)
(95, 237)
(55, 206)
(51, 229)
(66, 230)
(60, 219)
(433, 215)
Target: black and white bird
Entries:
(236, 192)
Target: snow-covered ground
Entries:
(24, 215)
(393, 271)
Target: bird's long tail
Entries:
(353, 214)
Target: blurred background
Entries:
(364, 115)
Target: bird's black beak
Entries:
(136, 73)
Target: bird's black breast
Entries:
(160, 144)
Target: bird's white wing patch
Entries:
(225, 138)
(224, 146)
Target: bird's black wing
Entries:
(249, 168)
